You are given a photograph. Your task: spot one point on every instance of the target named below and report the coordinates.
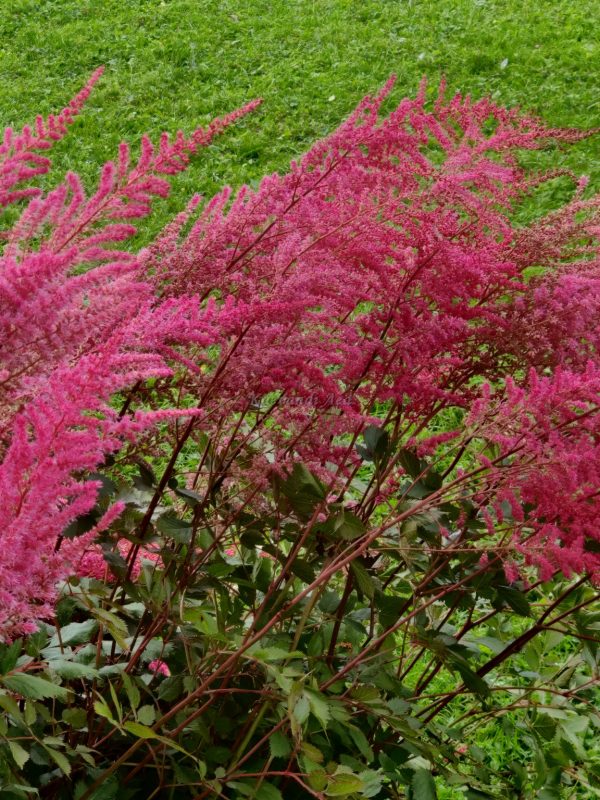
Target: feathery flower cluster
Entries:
(381, 272)
(384, 269)
(70, 339)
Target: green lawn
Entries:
(173, 63)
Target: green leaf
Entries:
(104, 711)
(170, 688)
(107, 487)
(75, 718)
(19, 754)
(279, 745)
(372, 782)
(70, 670)
(423, 785)
(116, 562)
(76, 633)
(303, 490)
(473, 681)
(114, 625)
(133, 693)
(363, 579)
(145, 732)
(32, 687)
(319, 706)
(141, 731)
(268, 654)
(316, 777)
(342, 784)
(146, 715)
(9, 655)
(303, 570)
(515, 599)
(410, 462)
(312, 753)
(361, 742)
(344, 525)
(59, 758)
(301, 709)
(190, 498)
(110, 789)
(390, 607)
(10, 706)
(376, 445)
(176, 528)
(80, 525)
(267, 791)
(147, 477)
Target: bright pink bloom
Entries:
(159, 667)
(69, 339)
(381, 270)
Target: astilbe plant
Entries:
(370, 400)
(77, 324)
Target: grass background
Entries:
(175, 63)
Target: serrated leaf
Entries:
(376, 445)
(361, 742)
(279, 745)
(75, 718)
(345, 525)
(107, 487)
(70, 670)
(515, 599)
(59, 758)
(303, 490)
(147, 476)
(146, 715)
(423, 785)
(410, 462)
(133, 693)
(371, 782)
(115, 626)
(109, 790)
(303, 570)
(116, 562)
(145, 732)
(301, 709)
(319, 706)
(104, 711)
(10, 706)
(32, 687)
(75, 633)
(9, 655)
(19, 754)
(312, 753)
(473, 681)
(363, 579)
(268, 654)
(190, 498)
(343, 784)
(267, 791)
(80, 525)
(176, 528)
(140, 730)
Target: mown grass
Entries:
(174, 63)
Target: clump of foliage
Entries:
(302, 496)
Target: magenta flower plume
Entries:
(383, 271)
(78, 323)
